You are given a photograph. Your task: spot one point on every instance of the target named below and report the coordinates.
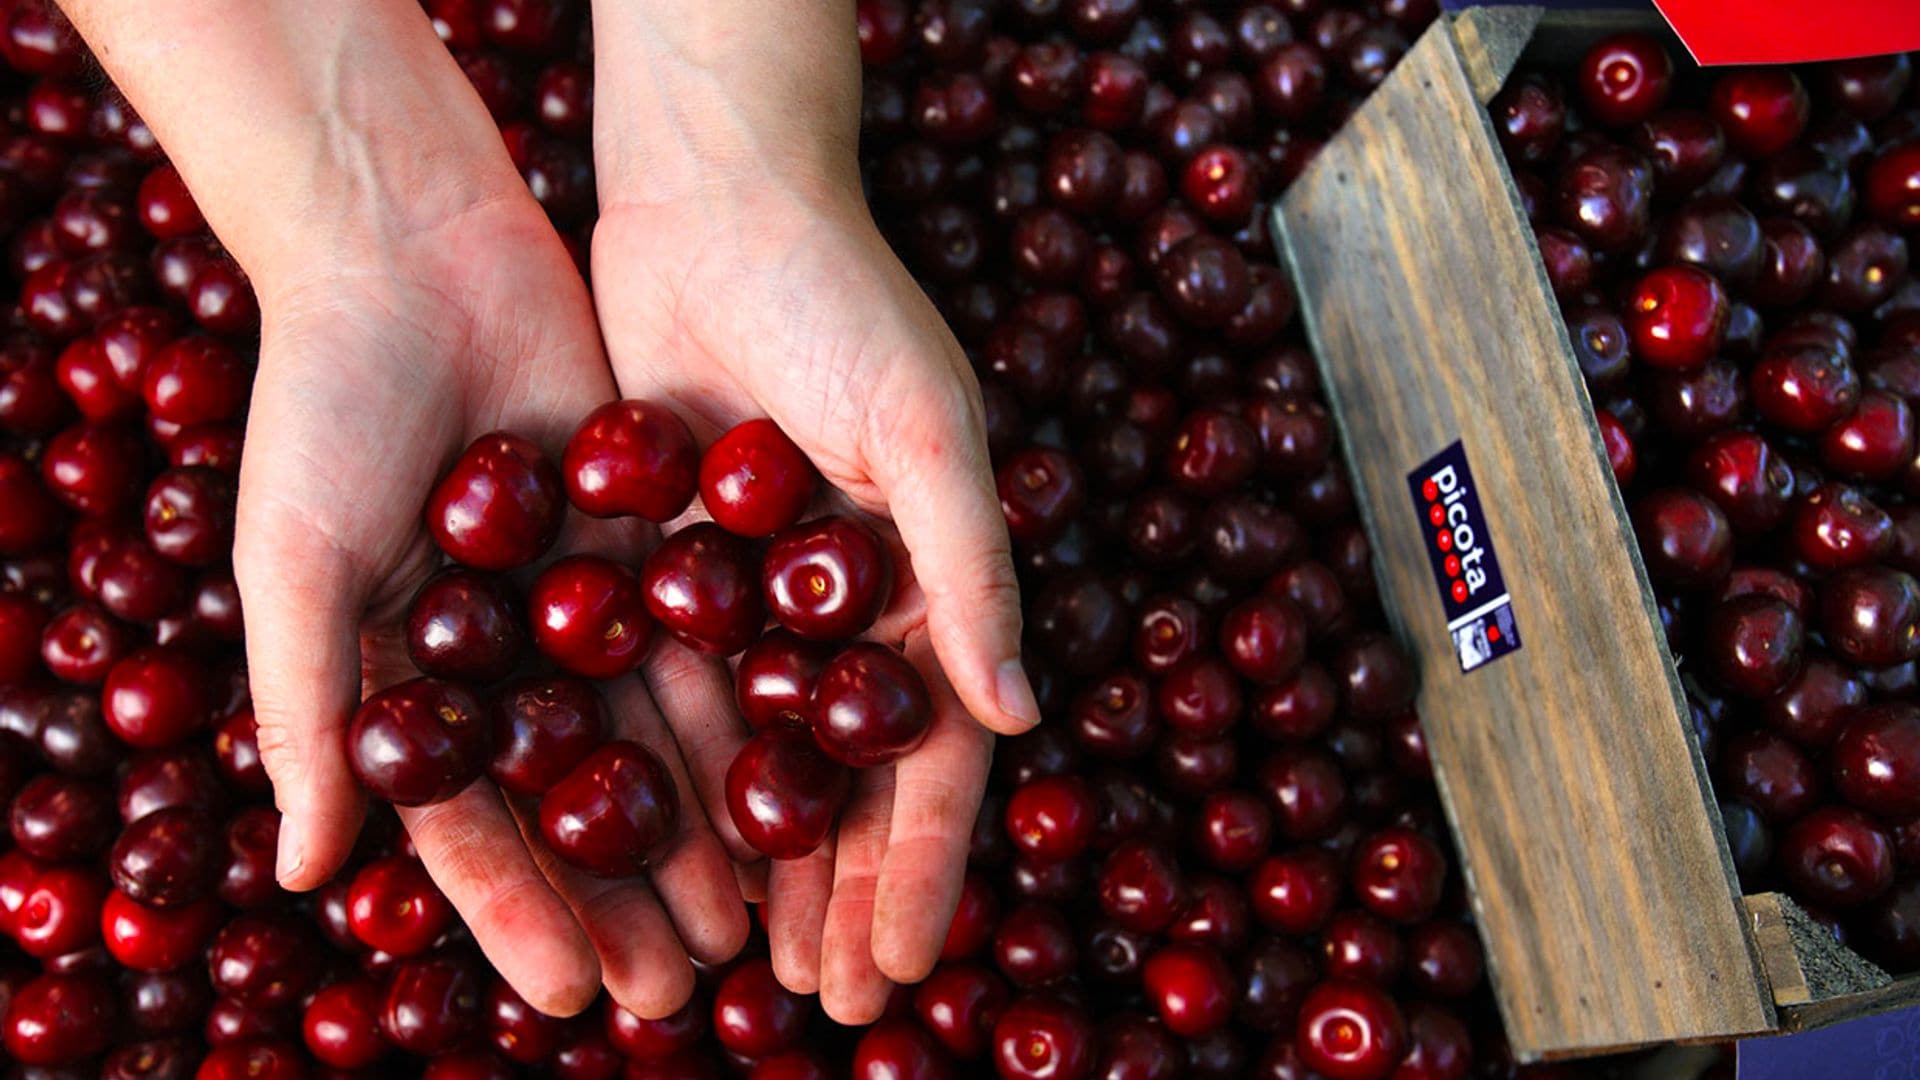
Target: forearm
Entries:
(699, 95)
(302, 127)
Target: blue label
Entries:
(1465, 570)
(1883, 1047)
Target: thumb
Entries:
(303, 602)
(927, 449)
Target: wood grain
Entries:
(1569, 769)
(1489, 40)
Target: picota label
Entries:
(1465, 569)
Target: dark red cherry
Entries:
(81, 644)
(1034, 944)
(1752, 644)
(958, 1004)
(827, 579)
(893, 1047)
(870, 706)
(500, 506)
(433, 1003)
(394, 906)
(1443, 959)
(612, 810)
(155, 697)
(701, 585)
(1876, 760)
(59, 1020)
(754, 481)
(1875, 442)
(341, 1024)
(1213, 452)
(1398, 874)
(196, 380)
(1605, 195)
(1042, 1037)
(655, 1040)
(1837, 857)
(1141, 887)
(589, 615)
(1192, 988)
(61, 819)
(632, 457)
(1676, 317)
(1836, 526)
(1870, 615)
(1684, 538)
(1763, 109)
(1296, 891)
(420, 742)
(1376, 675)
(1052, 818)
(189, 515)
(465, 625)
(1350, 1031)
(264, 960)
(167, 859)
(1812, 708)
(1625, 78)
(1746, 476)
(774, 681)
(754, 1015)
(1305, 790)
(1892, 185)
(543, 726)
(95, 470)
(1264, 639)
(784, 794)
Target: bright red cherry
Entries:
(1763, 109)
(433, 1003)
(500, 506)
(702, 584)
(754, 481)
(589, 615)
(1220, 182)
(612, 810)
(753, 1015)
(1350, 1031)
(1677, 316)
(784, 794)
(58, 1020)
(870, 706)
(1192, 988)
(60, 912)
(1625, 78)
(420, 742)
(1837, 857)
(774, 681)
(465, 625)
(1052, 817)
(1876, 760)
(632, 457)
(1040, 1037)
(341, 1024)
(157, 939)
(394, 906)
(827, 579)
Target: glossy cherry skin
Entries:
(870, 706)
(701, 584)
(1753, 644)
(500, 506)
(1870, 615)
(433, 1003)
(1398, 874)
(1892, 186)
(1041, 490)
(395, 907)
(61, 819)
(1684, 538)
(1837, 857)
(632, 457)
(1762, 109)
(1677, 316)
(1192, 987)
(1875, 442)
(755, 1016)
(167, 859)
(1350, 1031)
(614, 808)
(589, 615)
(465, 625)
(774, 681)
(827, 579)
(1264, 639)
(341, 1024)
(1034, 944)
(264, 960)
(1623, 79)
(543, 726)
(784, 794)
(420, 742)
(81, 644)
(155, 697)
(1605, 196)
(1296, 891)
(61, 1020)
(1876, 760)
(1040, 1037)
(59, 913)
(1052, 817)
(754, 481)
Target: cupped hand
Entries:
(379, 363)
(769, 301)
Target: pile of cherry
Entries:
(1731, 252)
(819, 711)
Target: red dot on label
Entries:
(1431, 490)
(1453, 566)
(1459, 591)
(1436, 513)
(1493, 633)
(1444, 541)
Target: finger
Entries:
(936, 794)
(471, 845)
(852, 989)
(752, 879)
(928, 450)
(798, 891)
(303, 599)
(691, 873)
(695, 694)
(642, 960)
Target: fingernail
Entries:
(1016, 693)
(290, 858)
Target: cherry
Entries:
(61, 819)
(1677, 317)
(959, 1004)
(432, 1004)
(155, 698)
(1034, 944)
(1114, 718)
(157, 779)
(1141, 887)
(543, 726)
(60, 1020)
(60, 912)
(1813, 707)
(1264, 639)
(827, 579)
(1685, 540)
(166, 208)
(1305, 791)
(1295, 892)
(1624, 78)
(774, 681)
(1398, 874)
(784, 794)
(499, 506)
(465, 625)
(420, 742)
(1376, 676)
(157, 939)
(700, 584)
(589, 615)
(754, 481)
(1443, 959)
(1205, 279)
(1605, 195)
(167, 859)
(1875, 442)
(196, 380)
(1876, 760)
(870, 706)
(1837, 857)
(1892, 185)
(1192, 988)
(264, 960)
(160, 1003)
(1870, 615)
(341, 1024)
(1753, 644)
(973, 919)
(653, 1040)
(754, 1015)
(612, 810)
(134, 583)
(631, 457)
(93, 469)
(1234, 830)
(395, 907)
(33, 518)
(1219, 181)
(1746, 476)
(893, 1047)
(1040, 1037)
(1762, 109)
(1213, 452)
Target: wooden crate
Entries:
(1590, 837)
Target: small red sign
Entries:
(1792, 31)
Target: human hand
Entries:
(738, 275)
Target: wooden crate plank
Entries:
(1490, 40)
(1568, 768)
(1815, 979)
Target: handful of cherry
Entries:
(821, 703)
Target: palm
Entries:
(801, 315)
